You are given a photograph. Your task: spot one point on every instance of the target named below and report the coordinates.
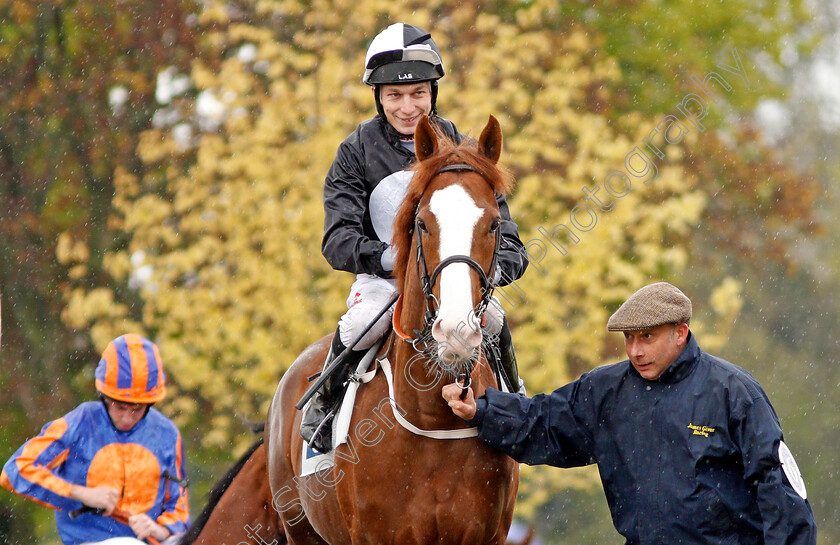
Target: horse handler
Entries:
(117, 455)
(688, 446)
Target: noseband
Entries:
(428, 281)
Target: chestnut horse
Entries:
(239, 509)
(390, 484)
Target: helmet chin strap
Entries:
(376, 88)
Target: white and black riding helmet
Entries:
(403, 54)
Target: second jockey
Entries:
(118, 453)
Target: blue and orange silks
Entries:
(84, 448)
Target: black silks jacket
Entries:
(691, 458)
(370, 154)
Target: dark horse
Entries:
(391, 484)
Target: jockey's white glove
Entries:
(388, 259)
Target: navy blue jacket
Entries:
(371, 154)
(691, 458)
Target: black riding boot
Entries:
(316, 424)
(508, 358)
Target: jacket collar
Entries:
(684, 364)
(391, 135)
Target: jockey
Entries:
(115, 453)
(363, 191)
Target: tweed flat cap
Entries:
(653, 305)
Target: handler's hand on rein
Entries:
(462, 408)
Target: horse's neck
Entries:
(416, 383)
(416, 388)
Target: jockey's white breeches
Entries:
(368, 295)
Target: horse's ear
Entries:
(490, 141)
(425, 139)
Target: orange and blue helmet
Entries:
(131, 371)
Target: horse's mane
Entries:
(449, 153)
(216, 494)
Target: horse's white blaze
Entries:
(456, 326)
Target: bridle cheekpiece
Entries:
(427, 281)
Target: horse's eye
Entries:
(495, 224)
(421, 225)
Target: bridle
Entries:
(427, 281)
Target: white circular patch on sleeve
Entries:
(792, 470)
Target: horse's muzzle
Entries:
(457, 340)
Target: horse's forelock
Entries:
(424, 172)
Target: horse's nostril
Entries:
(459, 337)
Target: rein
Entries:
(117, 514)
